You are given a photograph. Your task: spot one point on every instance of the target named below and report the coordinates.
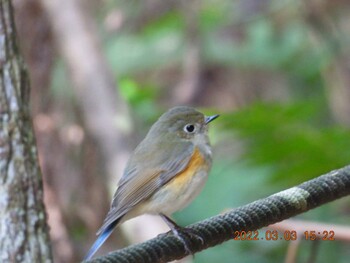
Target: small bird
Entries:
(166, 171)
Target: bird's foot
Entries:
(184, 234)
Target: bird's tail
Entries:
(101, 239)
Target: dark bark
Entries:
(23, 229)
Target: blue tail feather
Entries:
(100, 240)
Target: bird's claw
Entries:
(183, 234)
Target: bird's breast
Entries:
(197, 163)
(183, 188)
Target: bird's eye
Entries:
(189, 128)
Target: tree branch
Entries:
(215, 230)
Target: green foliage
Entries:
(263, 44)
(158, 44)
(134, 94)
(213, 15)
(141, 100)
(290, 139)
(131, 54)
(171, 21)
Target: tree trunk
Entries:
(23, 229)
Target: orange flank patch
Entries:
(197, 161)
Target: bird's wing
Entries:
(142, 178)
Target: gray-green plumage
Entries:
(164, 153)
(159, 157)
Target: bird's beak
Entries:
(210, 118)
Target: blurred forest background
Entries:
(102, 71)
